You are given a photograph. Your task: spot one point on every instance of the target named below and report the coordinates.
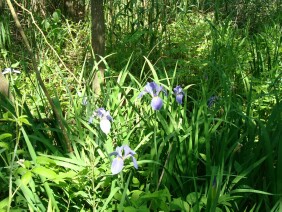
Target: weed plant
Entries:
(219, 149)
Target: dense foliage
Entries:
(211, 144)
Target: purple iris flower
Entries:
(105, 119)
(102, 113)
(121, 154)
(179, 94)
(154, 90)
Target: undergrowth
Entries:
(217, 151)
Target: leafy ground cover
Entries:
(213, 145)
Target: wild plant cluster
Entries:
(189, 117)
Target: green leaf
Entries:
(70, 174)
(179, 204)
(26, 177)
(6, 116)
(46, 24)
(44, 160)
(192, 198)
(48, 173)
(81, 194)
(56, 16)
(15, 65)
(4, 145)
(156, 195)
(135, 181)
(5, 135)
(23, 120)
(136, 195)
(27, 164)
(4, 203)
(21, 171)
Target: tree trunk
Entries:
(1, 6)
(98, 41)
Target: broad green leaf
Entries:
(21, 170)
(136, 195)
(4, 203)
(192, 198)
(5, 135)
(135, 181)
(156, 195)
(44, 160)
(26, 177)
(27, 164)
(81, 194)
(23, 119)
(179, 204)
(48, 173)
(4, 145)
(69, 174)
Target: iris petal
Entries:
(154, 90)
(105, 125)
(128, 151)
(177, 90)
(150, 88)
(141, 94)
(108, 116)
(119, 151)
(134, 162)
(115, 153)
(179, 94)
(159, 89)
(156, 103)
(118, 162)
(117, 165)
(101, 112)
(179, 98)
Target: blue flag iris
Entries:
(154, 90)
(179, 94)
(105, 119)
(121, 154)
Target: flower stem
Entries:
(155, 157)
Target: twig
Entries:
(38, 76)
